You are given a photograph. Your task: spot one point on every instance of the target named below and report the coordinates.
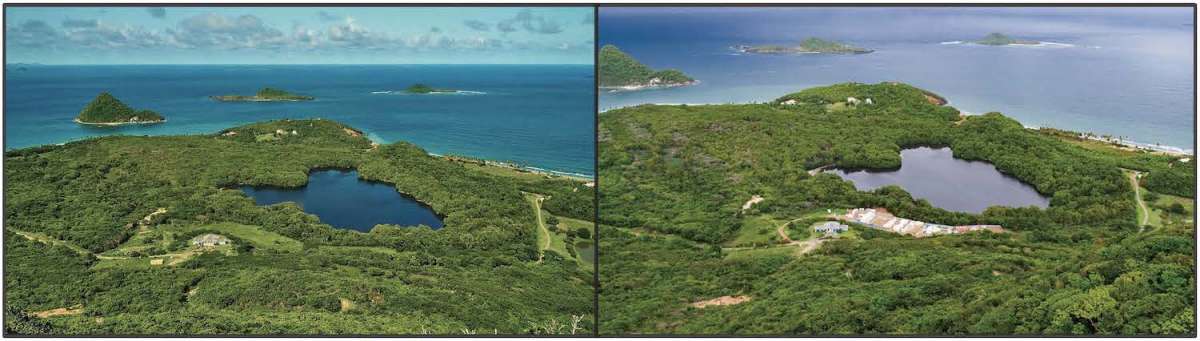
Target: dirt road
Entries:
(1143, 211)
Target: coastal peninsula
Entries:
(264, 95)
(108, 110)
(619, 71)
(810, 45)
(999, 39)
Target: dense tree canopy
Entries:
(108, 109)
(674, 180)
(82, 233)
(620, 69)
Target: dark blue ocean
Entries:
(537, 115)
(1118, 71)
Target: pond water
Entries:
(585, 250)
(953, 184)
(339, 198)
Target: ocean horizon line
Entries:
(305, 64)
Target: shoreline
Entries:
(642, 87)
(1117, 142)
(114, 124)
(1130, 144)
(376, 139)
(516, 167)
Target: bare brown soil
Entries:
(76, 310)
(723, 300)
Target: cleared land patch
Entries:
(720, 301)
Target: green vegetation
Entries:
(425, 89)
(419, 89)
(105, 223)
(997, 39)
(108, 110)
(757, 230)
(620, 70)
(265, 95)
(1163, 173)
(809, 45)
(675, 179)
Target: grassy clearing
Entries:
(144, 248)
(160, 238)
(1160, 217)
(255, 235)
(543, 234)
(557, 242)
(583, 247)
(515, 173)
(782, 250)
(757, 231)
(571, 224)
(1100, 146)
(1154, 215)
(800, 231)
(503, 171)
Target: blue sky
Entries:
(299, 35)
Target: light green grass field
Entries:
(756, 230)
(582, 251)
(255, 235)
(782, 250)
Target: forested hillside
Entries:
(106, 109)
(96, 231)
(685, 252)
(618, 69)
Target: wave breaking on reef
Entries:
(1039, 44)
(453, 92)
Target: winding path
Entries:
(1143, 211)
(805, 246)
(543, 232)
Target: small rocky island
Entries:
(265, 95)
(619, 71)
(998, 39)
(426, 89)
(810, 45)
(108, 110)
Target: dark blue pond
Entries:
(950, 183)
(339, 198)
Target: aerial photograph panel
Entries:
(967, 171)
(299, 171)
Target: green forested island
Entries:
(265, 95)
(128, 235)
(810, 45)
(108, 110)
(708, 216)
(998, 39)
(619, 71)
